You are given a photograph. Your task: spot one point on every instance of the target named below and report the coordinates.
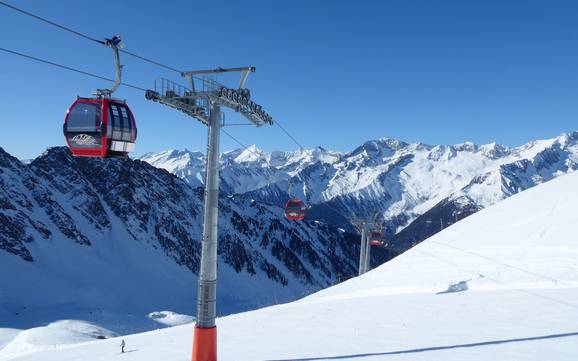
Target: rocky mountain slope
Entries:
(84, 236)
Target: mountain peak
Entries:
(566, 139)
(55, 154)
(494, 150)
(380, 147)
(6, 159)
(466, 146)
(250, 154)
(392, 143)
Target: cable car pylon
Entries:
(370, 237)
(204, 102)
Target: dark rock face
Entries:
(19, 195)
(13, 237)
(59, 198)
(442, 215)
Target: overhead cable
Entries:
(68, 68)
(87, 37)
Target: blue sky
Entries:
(335, 73)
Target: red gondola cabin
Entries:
(376, 238)
(295, 210)
(100, 127)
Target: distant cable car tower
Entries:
(371, 236)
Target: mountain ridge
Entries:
(399, 180)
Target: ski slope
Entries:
(499, 285)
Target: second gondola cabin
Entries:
(295, 209)
(100, 127)
(376, 238)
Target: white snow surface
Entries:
(169, 318)
(501, 284)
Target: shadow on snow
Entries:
(434, 348)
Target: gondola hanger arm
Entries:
(114, 43)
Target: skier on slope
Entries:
(122, 344)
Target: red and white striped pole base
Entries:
(205, 344)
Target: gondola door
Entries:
(85, 128)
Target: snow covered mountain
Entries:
(242, 170)
(398, 180)
(87, 238)
(499, 285)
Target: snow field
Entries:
(501, 284)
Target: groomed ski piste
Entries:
(499, 285)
